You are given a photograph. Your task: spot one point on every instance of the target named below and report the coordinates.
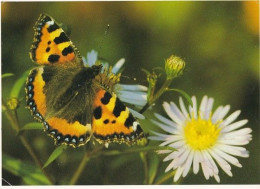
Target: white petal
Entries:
(217, 178)
(165, 143)
(216, 113)
(203, 105)
(85, 63)
(132, 97)
(159, 136)
(230, 118)
(118, 66)
(177, 144)
(136, 114)
(205, 170)
(156, 138)
(223, 113)
(182, 158)
(239, 132)
(196, 162)
(193, 110)
(169, 167)
(235, 142)
(164, 127)
(233, 150)
(209, 108)
(222, 163)
(166, 121)
(163, 151)
(234, 126)
(126, 87)
(92, 57)
(178, 174)
(213, 165)
(171, 114)
(183, 109)
(228, 158)
(174, 154)
(188, 164)
(207, 164)
(177, 112)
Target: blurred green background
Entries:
(218, 40)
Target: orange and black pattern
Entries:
(51, 44)
(71, 100)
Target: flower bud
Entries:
(13, 103)
(174, 67)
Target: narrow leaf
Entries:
(7, 75)
(18, 85)
(135, 150)
(32, 126)
(184, 94)
(30, 174)
(55, 154)
(153, 167)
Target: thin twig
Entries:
(144, 158)
(79, 170)
(82, 164)
(165, 178)
(12, 117)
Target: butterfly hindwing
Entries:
(112, 121)
(63, 124)
(51, 44)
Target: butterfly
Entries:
(75, 102)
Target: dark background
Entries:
(218, 40)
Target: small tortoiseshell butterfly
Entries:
(72, 101)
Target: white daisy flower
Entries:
(132, 94)
(202, 137)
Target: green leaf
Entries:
(135, 150)
(7, 75)
(30, 174)
(32, 126)
(184, 94)
(153, 167)
(18, 85)
(55, 154)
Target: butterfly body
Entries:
(74, 102)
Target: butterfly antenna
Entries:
(130, 78)
(106, 32)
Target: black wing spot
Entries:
(105, 100)
(129, 121)
(106, 121)
(67, 50)
(48, 49)
(62, 38)
(98, 112)
(119, 107)
(53, 58)
(52, 28)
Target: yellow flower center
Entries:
(201, 134)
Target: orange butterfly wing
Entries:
(113, 122)
(51, 44)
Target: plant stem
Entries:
(146, 174)
(12, 117)
(79, 170)
(157, 95)
(165, 178)
(82, 164)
